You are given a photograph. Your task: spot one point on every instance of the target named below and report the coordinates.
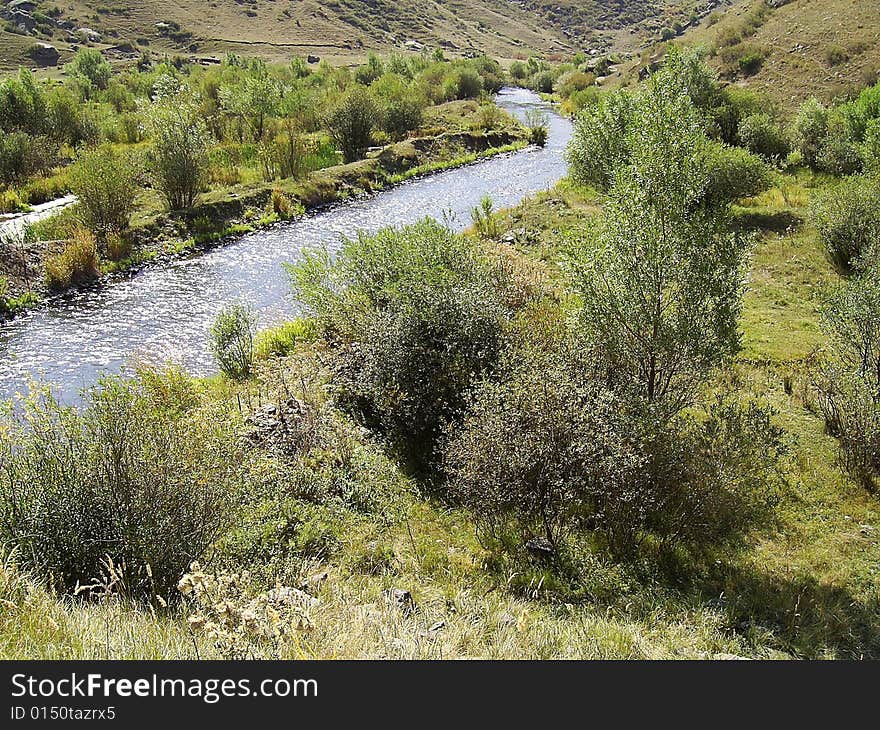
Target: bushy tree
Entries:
(662, 282)
(551, 450)
(353, 121)
(91, 70)
(848, 379)
(415, 316)
(848, 219)
(809, 130)
(136, 475)
(105, 182)
(599, 145)
(232, 341)
(180, 148)
(759, 133)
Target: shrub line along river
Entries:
(163, 313)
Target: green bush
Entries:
(414, 315)
(760, 134)
(180, 149)
(848, 219)
(232, 341)
(552, 450)
(848, 380)
(137, 475)
(91, 70)
(871, 147)
(352, 122)
(840, 154)
(733, 173)
(105, 182)
(809, 130)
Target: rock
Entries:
(44, 54)
(401, 598)
(277, 424)
(313, 59)
(313, 582)
(288, 596)
(540, 547)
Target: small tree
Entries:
(232, 341)
(105, 183)
(180, 149)
(91, 69)
(352, 123)
(848, 380)
(848, 219)
(809, 130)
(662, 284)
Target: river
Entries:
(162, 314)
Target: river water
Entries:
(163, 313)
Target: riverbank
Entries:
(454, 139)
(378, 570)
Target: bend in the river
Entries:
(164, 312)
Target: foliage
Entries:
(661, 283)
(75, 264)
(137, 475)
(848, 219)
(180, 149)
(91, 69)
(232, 341)
(105, 182)
(352, 123)
(414, 315)
(760, 134)
(848, 382)
(551, 451)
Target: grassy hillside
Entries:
(343, 30)
(820, 48)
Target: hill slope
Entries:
(810, 47)
(340, 29)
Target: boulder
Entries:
(44, 54)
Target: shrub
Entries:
(871, 148)
(403, 115)
(573, 81)
(180, 158)
(352, 122)
(840, 154)
(518, 70)
(136, 475)
(414, 315)
(468, 84)
(91, 69)
(758, 133)
(733, 173)
(483, 218)
(537, 124)
(809, 130)
(552, 450)
(76, 264)
(848, 219)
(751, 60)
(22, 155)
(105, 183)
(599, 144)
(232, 341)
(848, 381)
